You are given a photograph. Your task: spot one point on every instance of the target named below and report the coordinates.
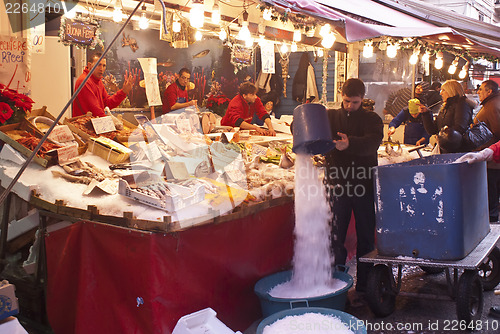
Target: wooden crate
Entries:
(24, 125)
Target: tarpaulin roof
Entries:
(353, 30)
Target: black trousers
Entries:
(493, 176)
(342, 206)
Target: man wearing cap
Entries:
(415, 133)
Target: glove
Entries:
(472, 157)
(391, 131)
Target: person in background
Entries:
(93, 96)
(490, 154)
(268, 104)
(490, 114)
(415, 133)
(399, 99)
(452, 120)
(360, 133)
(433, 97)
(242, 108)
(176, 94)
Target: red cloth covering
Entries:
(238, 110)
(172, 93)
(93, 97)
(96, 272)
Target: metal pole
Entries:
(75, 94)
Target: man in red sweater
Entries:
(176, 94)
(93, 96)
(243, 106)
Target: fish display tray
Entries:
(24, 125)
(183, 197)
(431, 208)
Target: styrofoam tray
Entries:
(183, 197)
(202, 322)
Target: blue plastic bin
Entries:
(354, 324)
(270, 304)
(311, 129)
(431, 208)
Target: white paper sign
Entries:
(36, 34)
(267, 55)
(150, 70)
(14, 64)
(61, 134)
(103, 124)
(152, 151)
(67, 154)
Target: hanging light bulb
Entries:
(176, 25)
(297, 36)
(294, 47)
(216, 13)
(328, 40)
(310, 32)
(222, 34)
(320, 53)
(249, 42)
(392, 50)
(117, 15)
(244, 33)
(267, 14)
(143, 21)
(426, 56)
(198, 35)
(368, 50)
(453, 67)
(414, 56)
(197, 14)
(325, 30)
(464, 71)
(438, 63)
(284, 48)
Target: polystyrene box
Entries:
(202, 322)
(431, 208)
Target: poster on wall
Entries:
(15, 62)
(267, 56)
(151, 80)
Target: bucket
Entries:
(311, 130)
(269, 304)
(353, 323)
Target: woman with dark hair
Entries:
(452, 120)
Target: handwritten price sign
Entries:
(103, 124)
(14, 57)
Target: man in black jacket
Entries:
(349, 174)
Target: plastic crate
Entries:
(431, 208)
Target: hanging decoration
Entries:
(299, 21)
(81, 32)
(241, 56)
(325, 78)
(284, 61)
